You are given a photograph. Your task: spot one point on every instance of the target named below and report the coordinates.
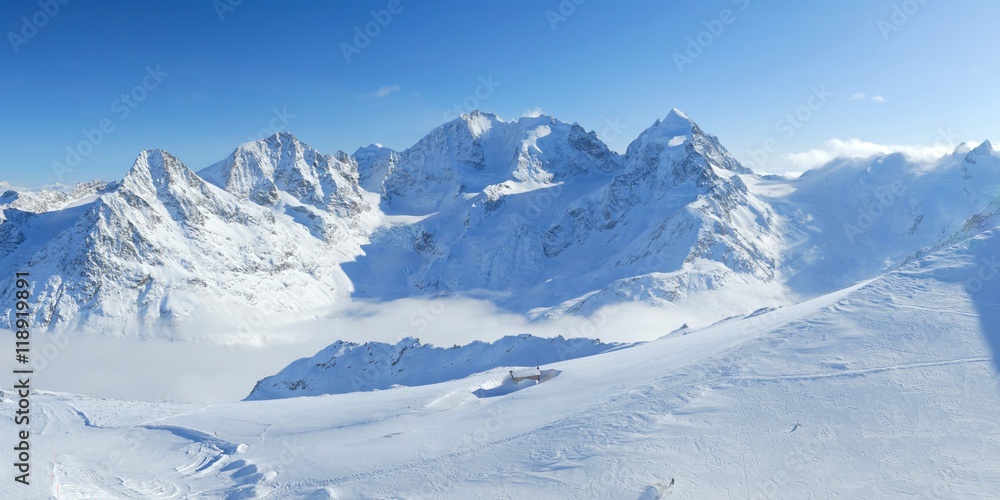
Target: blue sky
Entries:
(201, 77)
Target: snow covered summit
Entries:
(536, 215)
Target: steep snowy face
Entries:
(319, 191)
(158, 177)
(681, 218)
(565, 217)
(374, 165)
(164, 247)
(478, 150)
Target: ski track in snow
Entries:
(858, 373)
(190, 458)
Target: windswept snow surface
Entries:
(887, 389)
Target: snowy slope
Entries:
(888, 389)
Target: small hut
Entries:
(526, 374)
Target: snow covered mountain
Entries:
(480, 152)
(518, 207)
(320, 192)
(47, 200)
(349, 367)
(164, 246)
(856, 218)
(536, 215)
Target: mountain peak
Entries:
(276, 141)
(676, 129)
(372, 147)
(676, 123)
(153, 167)
(281, 167)
(283, 136)
(477, 113)
(984, 149)
(677, 116)
(480, 123)
(678, 136)
(253, 165)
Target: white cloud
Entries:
(386, 90)
(860, 96)
(533, 113)
(93, 363)
(857, 148)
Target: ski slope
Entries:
(887, 389)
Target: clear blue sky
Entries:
(601, 63)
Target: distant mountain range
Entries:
(536, 215)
